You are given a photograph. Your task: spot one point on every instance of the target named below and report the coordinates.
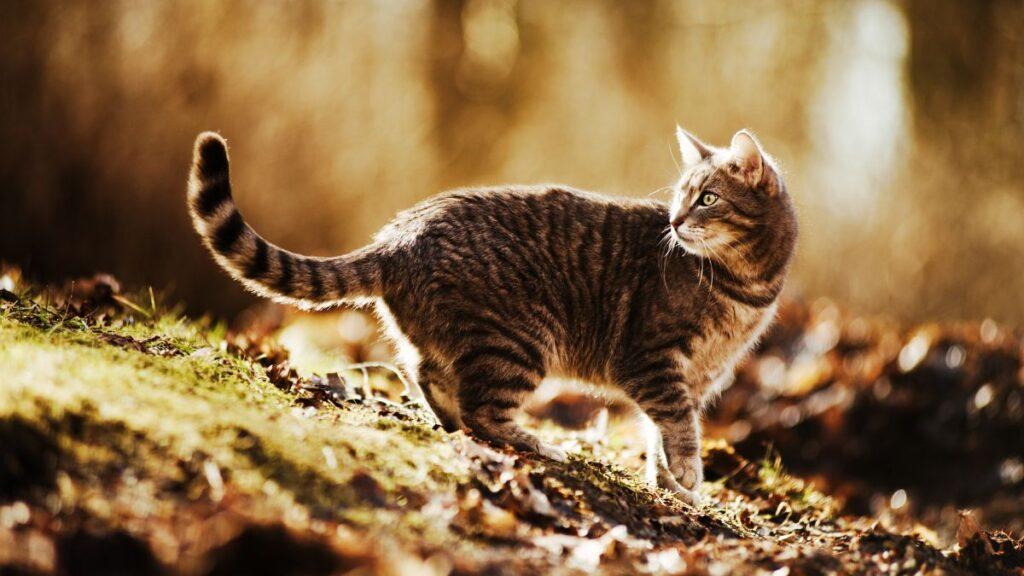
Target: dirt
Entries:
(136, 441)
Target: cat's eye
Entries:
(708, 198)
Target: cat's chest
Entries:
(715, 352)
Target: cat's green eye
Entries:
(708, 198)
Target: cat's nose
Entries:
(678, 220)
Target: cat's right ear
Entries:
(692, 149)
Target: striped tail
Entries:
(264, 268)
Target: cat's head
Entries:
(731, 203)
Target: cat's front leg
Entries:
(656, 468)
(672, 409)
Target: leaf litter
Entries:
(467, 507)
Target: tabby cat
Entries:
(489, 290)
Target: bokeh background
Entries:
(900, 126)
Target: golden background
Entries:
(900, 127)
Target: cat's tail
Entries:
(304, 281)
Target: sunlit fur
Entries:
(751, 226)
(489, 290)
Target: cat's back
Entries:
(510, 240)
(513, 216)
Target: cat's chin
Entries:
(693, 251)
(688, 246)
(702, 246)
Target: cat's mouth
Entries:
(693, 241)
(701, 242)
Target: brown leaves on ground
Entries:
(268, 354)
(996, 553)
(929, 417)
(905, 424)
(153, 345)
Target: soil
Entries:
(134, 440)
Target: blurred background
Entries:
(900, 126)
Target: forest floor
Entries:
(135, 440)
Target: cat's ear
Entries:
(692, 149)
(746, 151)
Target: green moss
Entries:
(145, 419)
(101, 408)
(192, 400)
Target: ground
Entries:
(136, 440)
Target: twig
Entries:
(122, 300)
(385, 365)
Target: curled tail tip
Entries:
(209, 187)
(210, 155)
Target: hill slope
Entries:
(133, 440)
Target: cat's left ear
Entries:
(692, 149)
(749, 158)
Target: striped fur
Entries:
(266, 269)
(490, 290)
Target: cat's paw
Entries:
(553, 452)
(689, 473)
(690, 479)
(691, 497)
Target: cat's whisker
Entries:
(711, 255)
(741, 255)
(669, 246)
(700, 274)
(662, 189)
(672, 153)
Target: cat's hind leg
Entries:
(492, 387)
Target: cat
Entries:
(489, 290)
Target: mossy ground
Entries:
(139, 441)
